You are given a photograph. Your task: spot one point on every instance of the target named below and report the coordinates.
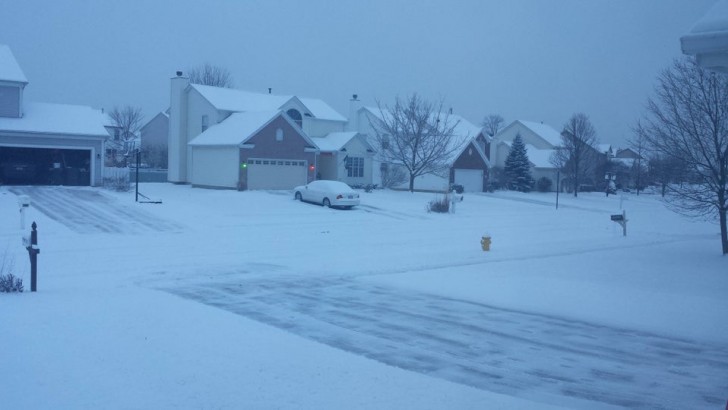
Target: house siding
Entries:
(9, 101)
(265, 145)
(156, 131)
(469, 159)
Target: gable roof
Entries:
(239, 127)
(544, 131)
(334, 141)
(539, 158)
(230, 99)
(61, 119)
(9, 68)
(478, 149)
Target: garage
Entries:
(470, 179)
(276, 173)
(45, 166)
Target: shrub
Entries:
(457, 188)
(10, 283)
(544, 184)
(439, 205)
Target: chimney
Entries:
(354, 106)
(177, 139)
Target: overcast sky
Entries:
(538, 60)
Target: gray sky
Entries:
(538, 60)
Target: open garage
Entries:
(45, 166)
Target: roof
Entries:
(544, 131)
(9, 68)
(57, 119)
(708, 39)
(230, 99)
(540, 158)
(604, 148)
(235, 129)
(334, 141)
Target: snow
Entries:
(226, 299)
(236, 129)
(333, 141)
(230, 99)
(9, 68)
(540, 158)
(57, 119)
(714, 21)
(544, 131)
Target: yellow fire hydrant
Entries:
(485, 243)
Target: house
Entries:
(257, 140)
(153, 140)
(540, 139)
(708, 39)
(468, 166)
(46, 144)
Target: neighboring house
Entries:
(541, 140)
(266, 139)
(46, 144)
(345, 156)
(153, 140)
(708, 39)
(468, 167)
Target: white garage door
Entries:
(276, 173)
(470, 179)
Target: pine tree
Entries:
(518, 167)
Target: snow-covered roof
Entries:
(544, 131)
(708, 39)
(9, 68)
(235, 129)
(540, 158)
(230, 99)
(57, 119)
(604, 148)
(333, 141)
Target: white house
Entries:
(708, 39)
(43, 144)
(258, 137)
(472, 173)
(540, 139)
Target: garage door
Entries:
(276, 173)
(470, 179)
(45, 166)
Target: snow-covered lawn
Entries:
(106, 330)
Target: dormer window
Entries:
(295, 116)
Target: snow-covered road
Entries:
(515, 353)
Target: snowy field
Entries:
(224, 299)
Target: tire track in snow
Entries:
(510, 352)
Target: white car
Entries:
(327, 193)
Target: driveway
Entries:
(90, 210)
(515, 353)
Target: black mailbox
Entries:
(618, 218)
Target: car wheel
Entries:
(327, 203)
(299, 197)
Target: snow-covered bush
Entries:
(439, 205)
(544, 184)
(10, 283)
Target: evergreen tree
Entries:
(518, 167)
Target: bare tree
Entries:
(576, 156)
(417, 135)
(128, 121)
(492, 124)
(639, 145)
(213, 75)
(687, 121)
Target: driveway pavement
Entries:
(514, 353)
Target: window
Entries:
(355, 167)
(279, 134)
(385, 141)
(295, 116)
(204, 123)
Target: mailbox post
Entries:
(33, 252)
(622, 220)
(23, 205)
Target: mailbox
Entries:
(23, 201)
(618, 218)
